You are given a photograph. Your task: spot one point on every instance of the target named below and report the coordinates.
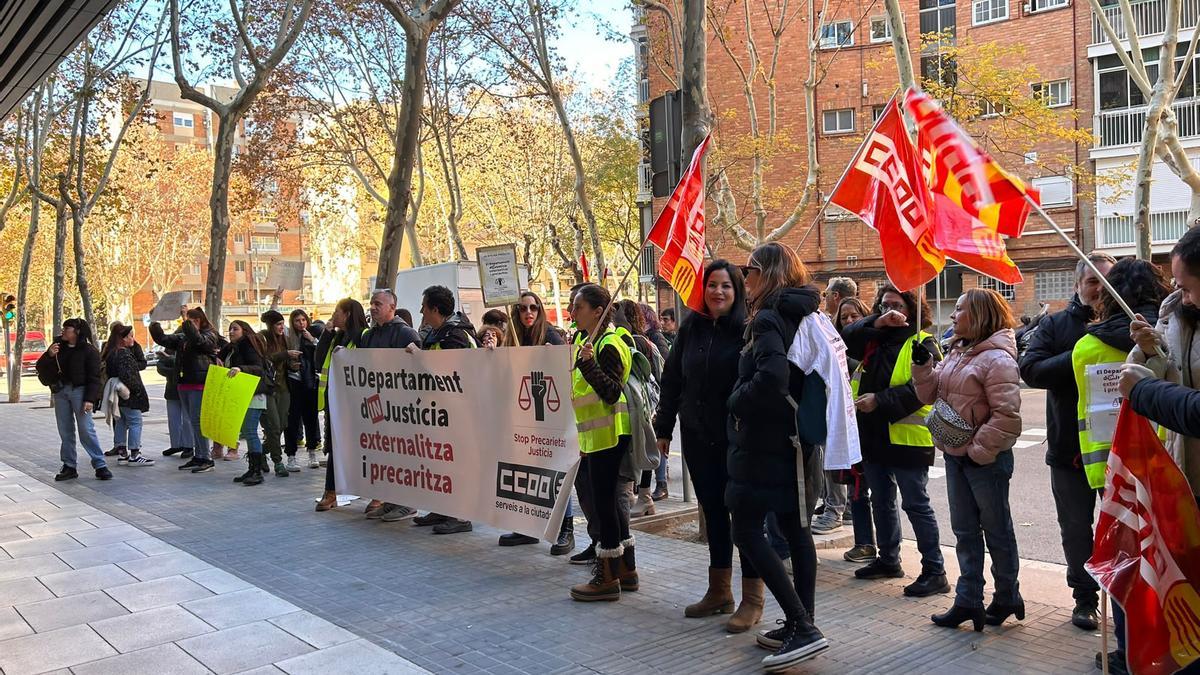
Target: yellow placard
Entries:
(224, 405)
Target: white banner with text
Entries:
(483, 435)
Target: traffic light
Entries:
(10, 307)
(666, 130)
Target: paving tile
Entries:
(72, 610)
(22, 591)
(265, 670)
(12, 625)
(359, 657)
(166, 658)
(165, 565)
(151, 546)
(75, 509)
(108, 535)
(313, 629)
(218, 581)
(31, 567)
(50, 544)
(139, 630)
(232, 609)
(103, 520)
(63, 526)
(15, 519)
(57, 649)
(244, 647)
(158, 592)
(13, 533)
(75, 582)
(101, 555)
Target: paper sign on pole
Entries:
(288, 274)
(168, 306)
(224, 404)
(1104, 400)
(498, 275)
(485, 435)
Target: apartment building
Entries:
(1077, 73)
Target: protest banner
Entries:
(499, 277)
(286, 274)
(168, 306)
(485, 435)
(224, 404)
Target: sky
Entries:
(588, 50)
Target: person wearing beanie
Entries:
(274, 422)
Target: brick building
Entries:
(1065, 46)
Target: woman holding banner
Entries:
(597, 392)
(765, 467)
(697, 380)
(195, 349)
(344, 331)
(248, 354)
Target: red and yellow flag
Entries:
(679, 232)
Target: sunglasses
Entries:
(747, 268)
(529, 308)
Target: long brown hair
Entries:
(254, 338)
(197, 313)
(535, 335)
(989, 313)
(272, 342)
(115, 336)
(779, 267)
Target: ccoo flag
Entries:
(885, 187)
(1147, 549)
(679, 232)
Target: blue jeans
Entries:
(835, 495)
(70, 418)
(178, 426)
(914, 499)
(250, 431)
(979, 511)
(191, 407)
(127, 429)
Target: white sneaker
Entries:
(138, 460)
(292, 464)
(823, 525)
(324, 460)
(313, 462)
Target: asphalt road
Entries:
(1032, 503)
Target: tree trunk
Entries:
(218, 204)
(1144, 178)
(581, 197)
(60, 261)
(18, 349)
(408, 137)
(697, 115)
(85, 293)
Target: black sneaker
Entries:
(138, 459)
(452, 526)
(113, 452)
(172, 451)
(1116, 662)
(430, 519)
(584, 557)
(799, 644)
(122, 455)
(862, 554)
(186, 453)
(773, 639)
(203, 466)
(926, 585)
(565, 543)
(1084, 616)
(517, 539)
(103, 473)
(190, 464)
(879, 570)
(66, 473)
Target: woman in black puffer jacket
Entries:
(124, 361)
(763, 472)
(697, 380)
(195, 350)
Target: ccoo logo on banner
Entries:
(432, 430)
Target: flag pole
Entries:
(1104, 631)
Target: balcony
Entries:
(1149, 16)
(1125, 126)
(1166, 227)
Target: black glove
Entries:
(920, 354)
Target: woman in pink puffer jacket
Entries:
(979, 379)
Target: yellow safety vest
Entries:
(1089, 351)
(323, 376)
(911, 430)
(601, 425)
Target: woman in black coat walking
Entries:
(763, 457)
(698, 378)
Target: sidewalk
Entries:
(245, 563)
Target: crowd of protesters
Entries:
(738, 405)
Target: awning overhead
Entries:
(35, 35)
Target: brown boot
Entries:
(718, 599)
(328, 501)
(218, 451)
(627, 570)
(605, 584)
(749, 612)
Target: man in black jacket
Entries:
(1047, 365)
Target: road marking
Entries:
(1034, 432)
(1021, 445)
(937, 472)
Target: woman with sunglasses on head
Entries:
(763, 456)
(701, 369)
(344, 331)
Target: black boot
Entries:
(958, 614)
(257, 463)
(997, 613)
(66, 473)
(566, 538)
(250, 466)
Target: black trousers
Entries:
(302, 410)
(329, 455)
(608, 522)
(1075, 501)
(706, 463)
(797, 595)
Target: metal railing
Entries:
(1149, 16)
(1166, 227)
(1125, 126)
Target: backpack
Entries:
(641, 397)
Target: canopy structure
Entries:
(35, 35)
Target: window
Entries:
(989, 109)
(241, 297)
(877, 112)
(838, 121)
(937, 16)
(194, 269)
(1055, 94)
(987, 11)
(837, 34)
(1042, 5)
(195, 298)
(264, 244)
(1006, 291)
(939, 68)
(1056, 190)
(239, 238)
(183, 120)
(1057, 285)
(881, 30)
(239, 266)
(260, 271)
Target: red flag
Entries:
(583, 266)
(885, 187)
(679, 232)
(1147, 549)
